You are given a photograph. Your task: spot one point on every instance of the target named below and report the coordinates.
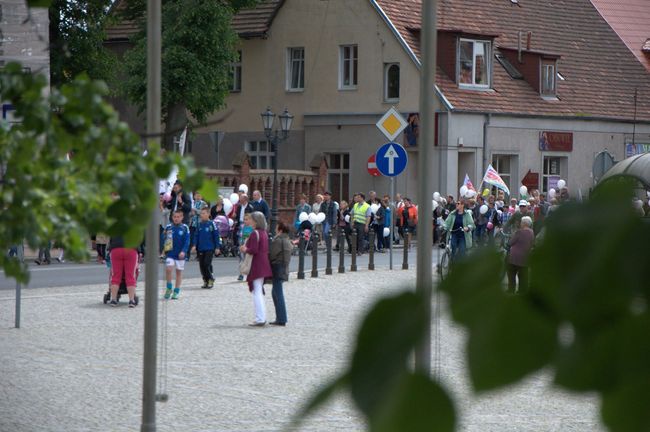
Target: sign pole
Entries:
(392, 219)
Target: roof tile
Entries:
(601, 73)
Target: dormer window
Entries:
(474, 63)
(548, 78)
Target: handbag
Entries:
(247, 262)
(245, 265)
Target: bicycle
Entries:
(445, 259)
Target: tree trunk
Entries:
(176, 122)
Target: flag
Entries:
(493, 178)
(181, 142)
(468, 183)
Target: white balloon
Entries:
(434, 204)
(470, 193)
(231, 222)
(523, 190)
(320, 217)
(234, 198)
(561, 183)
(436, 196)
(303, 216)
(463, 190)
(374, 208)
(347, 218)
(638, 203)
(386, 231)
(227, 205)
(551, 193)
(243, 188)
(483, 209)
(312, 218)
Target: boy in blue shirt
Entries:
(206, 243)
(176, 243)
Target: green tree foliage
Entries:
(77, 34)
(198, 45)
(585, 318)
(60, 165)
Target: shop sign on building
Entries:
(555, 141)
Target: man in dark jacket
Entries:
(180, 201)
(260, 205)
(330, 209)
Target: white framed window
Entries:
(295, 69)
(474, 63)
(260, 153)
(391, 82)
(548, 78)
(555, 168)
(348, 67)
(235, 74)
(505, 165)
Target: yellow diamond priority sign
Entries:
(392, 124)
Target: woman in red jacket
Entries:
(258, 246)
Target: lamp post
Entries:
(274, 137)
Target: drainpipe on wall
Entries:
(486, 124)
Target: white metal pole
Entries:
(21, 258)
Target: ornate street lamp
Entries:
(286, 119)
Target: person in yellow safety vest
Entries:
(361, 219)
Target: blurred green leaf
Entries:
(387, 337)
(626, 408)
(323, 395)
(511, 341)
(474, 285)
(416, 404)
(209, 190)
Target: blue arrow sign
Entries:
(391, 159)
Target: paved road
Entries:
(76, 364)
(72, 274)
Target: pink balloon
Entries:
(167, 197)
(490, 225)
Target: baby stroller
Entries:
(304, 230)
(122, 289)
(226, 233)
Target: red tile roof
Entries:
(601, 73)
(255, 22)
(631, 21)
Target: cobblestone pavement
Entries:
(76, 364)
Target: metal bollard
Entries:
(328, 246)
(371, 250)
(405, 263)
(353, 265)
(301, 257)
(341, 245)
(314, 255)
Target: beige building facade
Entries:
(344, 50)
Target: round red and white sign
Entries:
(372, 166)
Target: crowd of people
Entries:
(239, 223)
